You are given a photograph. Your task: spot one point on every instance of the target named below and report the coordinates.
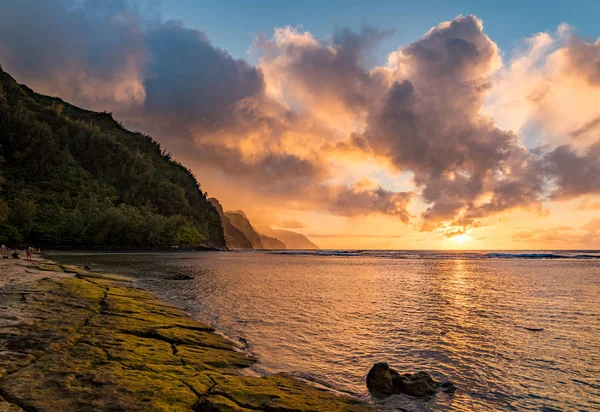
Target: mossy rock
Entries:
(184, 336)
(48, 268)
(278, 393)
(8, 407)
(94, 343)
(203, 358)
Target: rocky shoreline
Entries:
(75, 340)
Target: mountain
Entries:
(240, 221)
(271, 242)
(234, 238)
(293, 240)
(74, 177)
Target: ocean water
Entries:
(512, 330)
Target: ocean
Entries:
(512, 330)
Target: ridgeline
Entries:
(77, 178)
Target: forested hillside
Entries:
(72, 177)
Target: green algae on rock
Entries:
(93, 342)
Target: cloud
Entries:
(93, 54)
(191, 82)
(550, 89)
(323, 78)
(588, 234)
(291, 224)
(352, 235)
(429, 122)
(477, 137)
(574, 174)
(357, 199)
(588, 204)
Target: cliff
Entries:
(241, 222)
(234, 238)
(293, 240)
(76, 177)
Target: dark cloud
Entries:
(190, 81)
(273, 126)
(574, 174)
(279, 171)
(92, 54)
(322, 74)
(588, 127)
(429, 122)
(357, 200)
(584, 58)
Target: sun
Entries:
(466, 238)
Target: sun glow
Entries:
(466, 238)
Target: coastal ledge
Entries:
(74, 340)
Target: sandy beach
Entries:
(17, 271)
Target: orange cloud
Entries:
(313, 128)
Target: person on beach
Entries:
(29, 253)
(3, 247)
(16, 254)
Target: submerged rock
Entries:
(385, 381)
(181, 276)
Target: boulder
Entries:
(416, 384)
(379, 379)
(385, 381)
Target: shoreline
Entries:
(77, 340)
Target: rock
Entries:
(380, 379)
(181, 276)
(448, 387)
(104, 345)
(534, 329)
(417, 384)
(385, 381)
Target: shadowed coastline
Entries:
(77, 340)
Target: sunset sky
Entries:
(380, 124)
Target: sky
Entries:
(369, 125)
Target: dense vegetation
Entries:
(75, 177)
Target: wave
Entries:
(540, 256)
(319, 252)
(467, 255)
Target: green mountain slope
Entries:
(73, 177)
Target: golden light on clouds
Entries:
(452, 143)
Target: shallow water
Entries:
(512, 331)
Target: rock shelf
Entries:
(75, 340)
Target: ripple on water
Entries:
(513, 334)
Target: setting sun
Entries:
(466, 238)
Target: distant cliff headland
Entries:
(241, 234)
(77, 178)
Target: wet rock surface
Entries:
(91, 342)
(385, 381)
